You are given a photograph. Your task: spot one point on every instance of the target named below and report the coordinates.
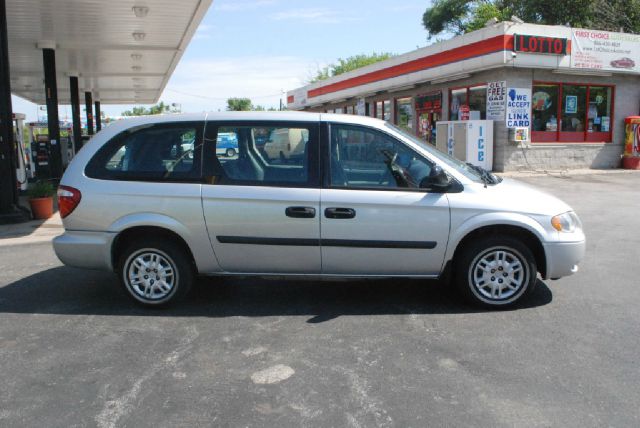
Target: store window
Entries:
(404, 114)
(387, 110)
(379, 110)
(545, 112)
(478, 102)
(599, 113)
(457, 100)
(383, 110)
(573, 109)
(571, 113)
(469, 103)
(351, 109)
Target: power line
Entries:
(222, 99)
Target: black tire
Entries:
(231, 153)
(486, 272)
(167, 260)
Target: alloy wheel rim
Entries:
(498, 274)
(151, 275)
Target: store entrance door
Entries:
(429, 111)
(427, 125)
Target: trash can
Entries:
(631, 156)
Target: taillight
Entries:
(68, 200)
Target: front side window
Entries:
(262, 155)
(369, 159)
(153, 152)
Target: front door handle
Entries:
(339, 213)
(300, 212)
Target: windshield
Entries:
(463, 168)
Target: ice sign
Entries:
(518, 108)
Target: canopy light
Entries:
(136, 56)
(140, 11)
(136, 68)
(139, 36)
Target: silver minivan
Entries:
(153, 200)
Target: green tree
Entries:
(239, 104)
(159, 108)
(348, 64)
(461, 16)
(245, 104)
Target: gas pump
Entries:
(23, 158)
(41, 147)
(66, 142)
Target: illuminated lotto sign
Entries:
(540, 45)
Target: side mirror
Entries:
(437, 181)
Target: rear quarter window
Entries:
(158, 152)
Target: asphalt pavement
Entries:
(76, 352)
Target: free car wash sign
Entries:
(518, 107)
(539, 44)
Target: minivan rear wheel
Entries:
(496, 272)
(155, 272)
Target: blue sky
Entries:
(257, 48)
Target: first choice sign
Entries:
(540, 44)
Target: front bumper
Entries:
(89, 250)
(563, 258)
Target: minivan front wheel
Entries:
(155, 272)
(496, 272)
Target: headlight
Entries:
(567, 222)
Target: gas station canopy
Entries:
(123, 51)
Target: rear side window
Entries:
(262, 154)
(159, 152)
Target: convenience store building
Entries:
(569, 88)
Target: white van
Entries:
(361, 199)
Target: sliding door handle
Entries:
(300, 212)
(339, 213)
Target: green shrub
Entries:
(41, 189)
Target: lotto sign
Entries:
(518, 108)
(539, 44)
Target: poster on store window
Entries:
(603, 50)
(518, 107)
(496, 100)
(571, 104)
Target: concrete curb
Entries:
(32, 232)
(566, 172)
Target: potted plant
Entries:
(41, 199)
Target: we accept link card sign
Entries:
(518, 108)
